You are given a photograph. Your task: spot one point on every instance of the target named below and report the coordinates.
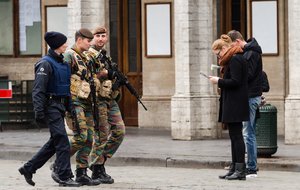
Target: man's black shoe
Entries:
(54, 174)
(27, 175)
(55, 177)
(69, 183)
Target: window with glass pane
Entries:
(30, 38)
(6, 29)
(113, 35)
(53, 15)
(132, 49)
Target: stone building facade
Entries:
(178, 98)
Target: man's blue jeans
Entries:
(249, 133)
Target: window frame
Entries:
(148, 53)
(277, 26)
(45, 19)
(16, 40)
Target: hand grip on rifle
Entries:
(94, 96)
(121, 78)
(75, 119)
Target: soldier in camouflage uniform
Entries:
(81, 142)
(112, 129)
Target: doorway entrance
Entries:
(125, 49)
(232, 15)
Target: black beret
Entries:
(55, 39)
(86, 33)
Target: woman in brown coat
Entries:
(233, 101)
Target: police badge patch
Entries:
(41, 72)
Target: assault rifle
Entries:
(72, 113)
(94, 95)
(75, 119)
(121, 79)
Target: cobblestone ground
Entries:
(149, 178)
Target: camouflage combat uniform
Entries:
(81, 143)
(81, 90)
(112, 128)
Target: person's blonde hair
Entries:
(224, 40)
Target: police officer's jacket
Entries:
(52, 80)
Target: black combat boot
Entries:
(99, 173)
(95, 171)
(107, 178)
(84, 179)
(69, 183)
(239, 173)
(230, 172)
(27, 175)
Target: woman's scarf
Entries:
(224, 60)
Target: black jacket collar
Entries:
(53, 54)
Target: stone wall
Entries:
(194, 104)
(86, 14)
(158, 84)
(18, 68)
(292, 102)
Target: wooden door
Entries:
(125, 38)
(232, 15)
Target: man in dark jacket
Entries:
(252, 53)
(51, 98)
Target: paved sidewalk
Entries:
(152, 178)
(149, 147)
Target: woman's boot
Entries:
(239, 173)
(230, 172)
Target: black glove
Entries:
(111, 74)
(40, 118)
(68, 104)
(40, 121)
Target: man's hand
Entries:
(263, 100)
(102, 74)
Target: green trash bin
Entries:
(266, 131)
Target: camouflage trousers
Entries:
(110, 134)
(81, 144)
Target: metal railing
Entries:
(19, 108)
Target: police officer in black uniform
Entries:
(51, 98)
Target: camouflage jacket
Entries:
(105, 91)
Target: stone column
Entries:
(86, 14)
(292, 101)
(194, 104)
